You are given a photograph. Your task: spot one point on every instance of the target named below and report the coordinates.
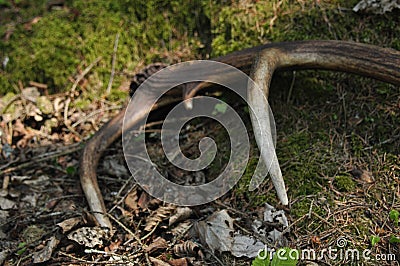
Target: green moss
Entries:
(242, 186)
(245, 24)
(44, 105)
(357, 145)
(344, 183)
(66, 41)
(301, 208)
(240, 25)
(255, 198)
(306, 162)
(6, 103)
(82, 103)
(117, 95)
(32, 233)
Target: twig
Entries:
(146, 255)
(66, 118)
(211, 253)
(44, 158)
(276, 8)
(126, 194)
(38, 85)
(73, 88)
(9, 163)
(85, 261)
(139, 240)
(121, 258)
(114, 59)
(95, 113)
(126, 229)
(231, 209)
(389, 140)
(291, 87)
(151, 232)
(391, 207)
(328, 223)
(83, 74)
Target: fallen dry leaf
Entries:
(28, 25)
(131, 201)
(3, 255)
(6, 204)
(3, 217)
(19, 128)
(188, 249)
(30, 93)
(113, 246)
(181, 228)
(39, 181)
(246, 246)
(31, 199)
(158, 216)
(158, 262)
(158, 243)
(362, 175)
(114, 168)
(70, 223)
(45, 254)
(89, 236)
(216, 231)
(179, 262)
(144, 200)
(182, 213)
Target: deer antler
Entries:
(367, 60)
(362, 59)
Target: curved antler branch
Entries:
(361, 59)
(367, 60)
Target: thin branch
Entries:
(291, 87)
(95, 113)
(84, 73)
(34, 161)
(73, 88)
(114, 59)
(86, 261)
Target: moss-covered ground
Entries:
(338, 135)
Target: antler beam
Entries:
(375, 62)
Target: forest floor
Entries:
(338, 143)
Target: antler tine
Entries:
(263, 68)
(361, 59)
